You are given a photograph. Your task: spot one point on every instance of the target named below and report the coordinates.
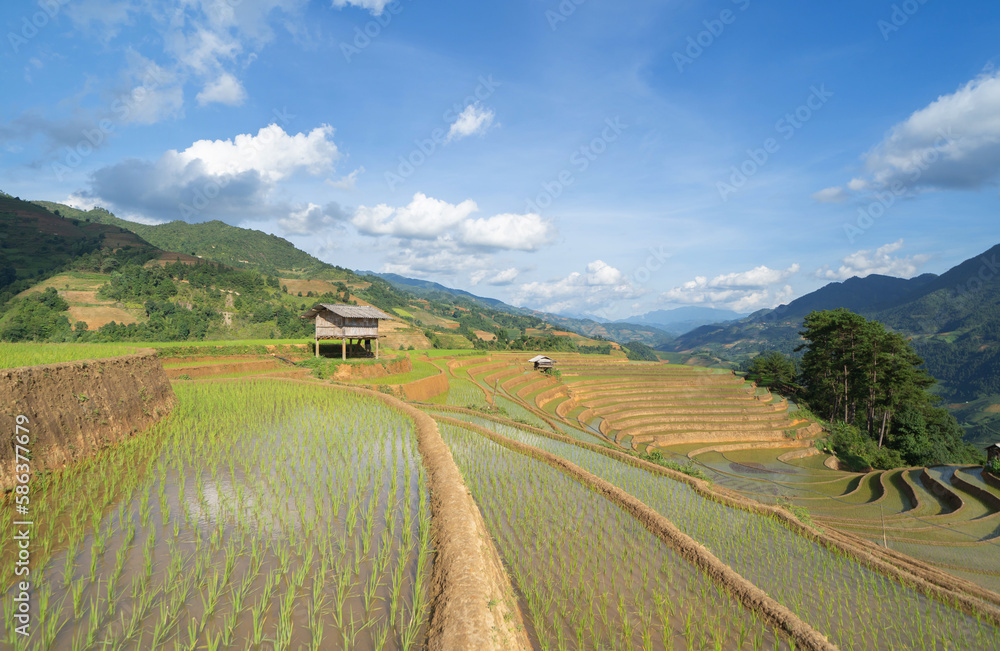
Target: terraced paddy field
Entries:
(257, 514)
(690, 413)
(279, 506)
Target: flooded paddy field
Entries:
(257, 515)
(854, 606)
(589, 574)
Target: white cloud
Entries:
(203, 51)
(312, 219)
(375, 6)
(474, 119)
(761, 276)
(155, 93)
(216, 179)
(831, 195)
(226, 89)
(272, 152)
(601, 273)
(951, 144)
(593, 291)
(493, 277)
(426, 218)
(858, 185)
(105, 18)
(742, 291)
(421, 258)
(349, 182)
(527, 232)
(880, 261)
(423, 218)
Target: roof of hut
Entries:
(347, 311)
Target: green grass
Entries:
(15, 355)
(420, 371)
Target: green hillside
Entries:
(215, 241)
(94, 278)
(953, 321)
(35, 244)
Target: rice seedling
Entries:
(215, 527)
(578, 560)
(32, 354)
(834, 593)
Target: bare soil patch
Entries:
(97, 316)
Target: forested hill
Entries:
(214, 241)
(953, 321)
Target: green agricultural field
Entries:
(258, 513)
(264, 513)
(14, 355)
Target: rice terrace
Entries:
(532, 325)
(616, 504)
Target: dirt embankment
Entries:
(348, 372)
(927, 579)
(76, 408)
(473, 604)
(426, 388)
(752, 597)
(211, 370)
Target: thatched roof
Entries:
(347, 311)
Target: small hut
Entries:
(993, 452)
(355, 323)
(542, 362)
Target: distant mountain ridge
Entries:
(621, 332)
(952, 319)
(683, 319)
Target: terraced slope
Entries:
(659, 405)
(746, 440)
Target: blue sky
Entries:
(576, 156)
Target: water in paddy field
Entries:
(856, 608)
(588, 574)
(258, 515)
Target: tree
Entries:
(773, 369)
(870, 379)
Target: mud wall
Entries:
(76, 408)
(942, 491)
(983, 495)
(473, 604)
(348, 372)
(426, 388)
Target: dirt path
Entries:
(970, 597)
(473, 604)
(752, 597)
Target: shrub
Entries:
(859, 452)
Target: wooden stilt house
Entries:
(543, 363)
(357, 324)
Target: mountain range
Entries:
(953, 319)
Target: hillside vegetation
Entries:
(214, 241)
(952, 321)
(88, 280)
